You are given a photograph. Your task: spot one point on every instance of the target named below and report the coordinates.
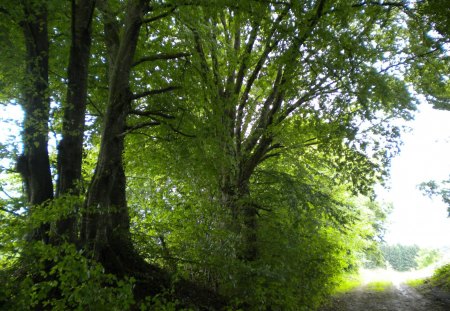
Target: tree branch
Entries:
(247, 52)
(215, 61)
(156, 17)
(149, 113)
(269, 46)
(154, 92)
(266, 117)
(201, 53)
(95, 106)
(159, 56)
(129, 129)
(384, 3)
(232, 53)
(257, 156)
(9, 212)
(180, 132)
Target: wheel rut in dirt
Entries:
(396, 298)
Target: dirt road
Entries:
(396, 298)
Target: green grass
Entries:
(415, 283)
(348, 284)
(379, 286)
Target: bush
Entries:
(61, 278)
(427, 257)
(441, 278)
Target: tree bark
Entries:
(71, 145)
(34, 164)
(244, 216)
(106, 223)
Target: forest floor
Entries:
(392, 296)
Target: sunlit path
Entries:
(395, 277)
(386, 289)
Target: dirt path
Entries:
(396, 298)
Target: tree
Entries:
(252, 93)
(430, 74)
(427, 257)
(105, 228)
(250, 111)
(34, 164)
(401, 257)
(432, 189)
(436, 15)
(70, 148)
(246, 120)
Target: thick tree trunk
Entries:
(34, 164)
(250, 250)
(71, 145)
(106, 223)
(236, 198)
(106, 227)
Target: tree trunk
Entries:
(71, 146)
(34, 164)
(106, 230)
(106, 223)
(236, 198)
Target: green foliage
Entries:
(306, 125)
(160, 302)
(441, 278)
(62, 278)
(437, 189)
(437, 13)
(427, 257)
(415, 283)
(348, 283)
(400, 257)
(312, 224)
(432, 37)
(59, 277)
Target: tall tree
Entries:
(34, 164)
(70, 149)
(106, 222)
(263, 66)
(282, 113)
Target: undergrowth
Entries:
(379, 286)
(415, 282)
(348, 284)
(441, 278)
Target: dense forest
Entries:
(203, 154)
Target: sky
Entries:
(425, 155)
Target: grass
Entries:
(348, 284)
(415, 283)
(379, 286)
(440, 279)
